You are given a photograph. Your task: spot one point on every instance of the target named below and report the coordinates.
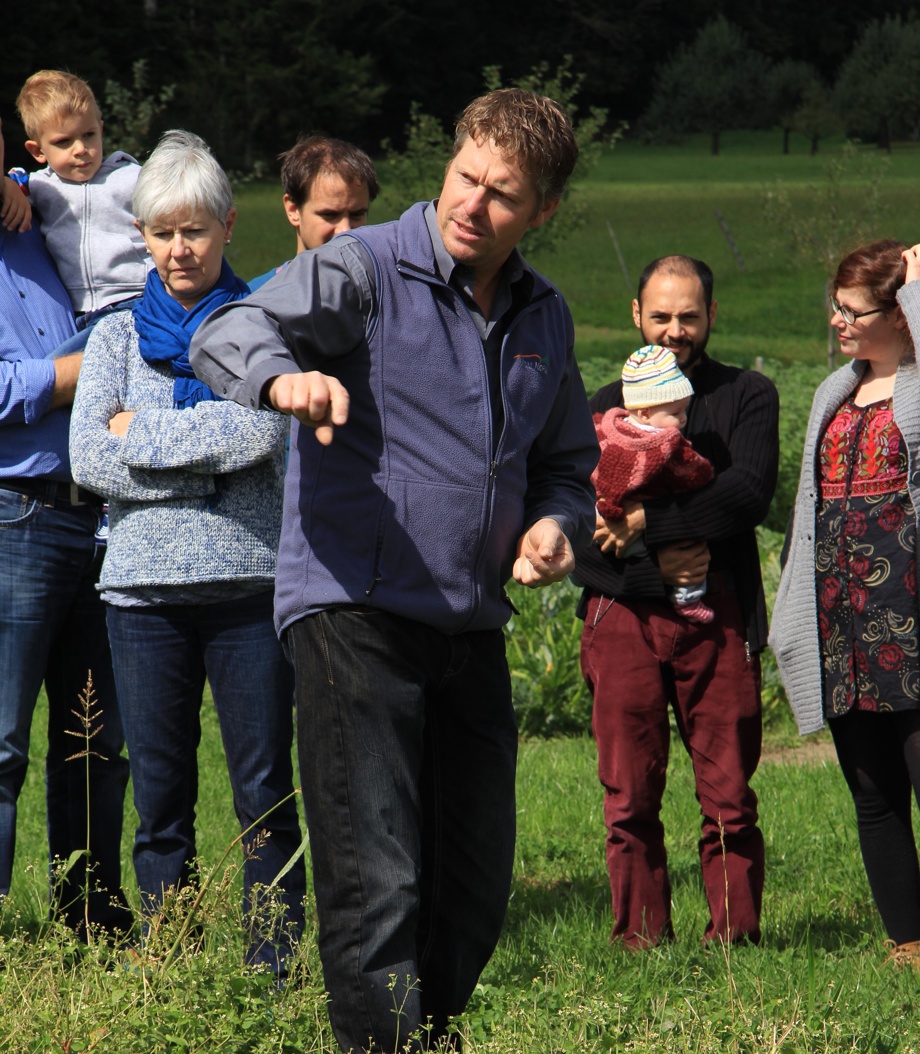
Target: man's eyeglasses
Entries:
(849, 315)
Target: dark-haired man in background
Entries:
(640, 657)
(328, 189)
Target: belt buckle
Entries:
(75, 498)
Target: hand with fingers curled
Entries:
(683, 563)
(544, 554)
(911, 257)
(617, 535)
(315, 399)
(15, 210)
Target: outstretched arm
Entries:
(268, 349)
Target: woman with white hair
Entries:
(194, 485)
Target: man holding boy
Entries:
(639, 656)
(466, 457)
(52, 622)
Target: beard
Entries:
(687, 352)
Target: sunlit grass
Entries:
(659, 200)
(818, 982)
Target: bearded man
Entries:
(640, 656)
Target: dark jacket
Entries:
(733, 421)
(408, 510)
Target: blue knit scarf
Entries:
(165, 329)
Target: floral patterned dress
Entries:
(866, 569)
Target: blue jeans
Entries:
(162, 656)
(408, 744)
(52, 629)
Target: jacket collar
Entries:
(415, 246)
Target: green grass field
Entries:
(661, 200)
(818, 983)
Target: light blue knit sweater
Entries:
(794, 627)
(194, 495)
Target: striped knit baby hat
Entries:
(652, 377)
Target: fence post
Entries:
(739, 259)
(616, 246)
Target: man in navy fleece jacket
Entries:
(461, 455)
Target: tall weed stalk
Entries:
(88, 715)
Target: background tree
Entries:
(716, 84)
(250, 77)
(817, 117)
(130, 112)
(878, 88)
(788, 82)
(416, 172)
(254, 76)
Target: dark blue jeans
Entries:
(408, 744)
(52, 629)
(162, 656)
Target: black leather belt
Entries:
(50, 492)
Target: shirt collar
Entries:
(513, 270)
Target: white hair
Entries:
(181, 175)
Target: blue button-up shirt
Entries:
(35, 317)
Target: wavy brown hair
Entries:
(878, 268)
(533, 130)
(321, 153)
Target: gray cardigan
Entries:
(195, 494)
(794, 627)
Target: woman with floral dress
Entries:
(845, 623)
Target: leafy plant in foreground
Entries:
(543, 644)
(87, 716)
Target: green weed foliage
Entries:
(819, 982)
(543, 638)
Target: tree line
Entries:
(720, 82)
(251, 77)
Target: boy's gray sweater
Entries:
(90, 233)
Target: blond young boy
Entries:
(82, 198)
